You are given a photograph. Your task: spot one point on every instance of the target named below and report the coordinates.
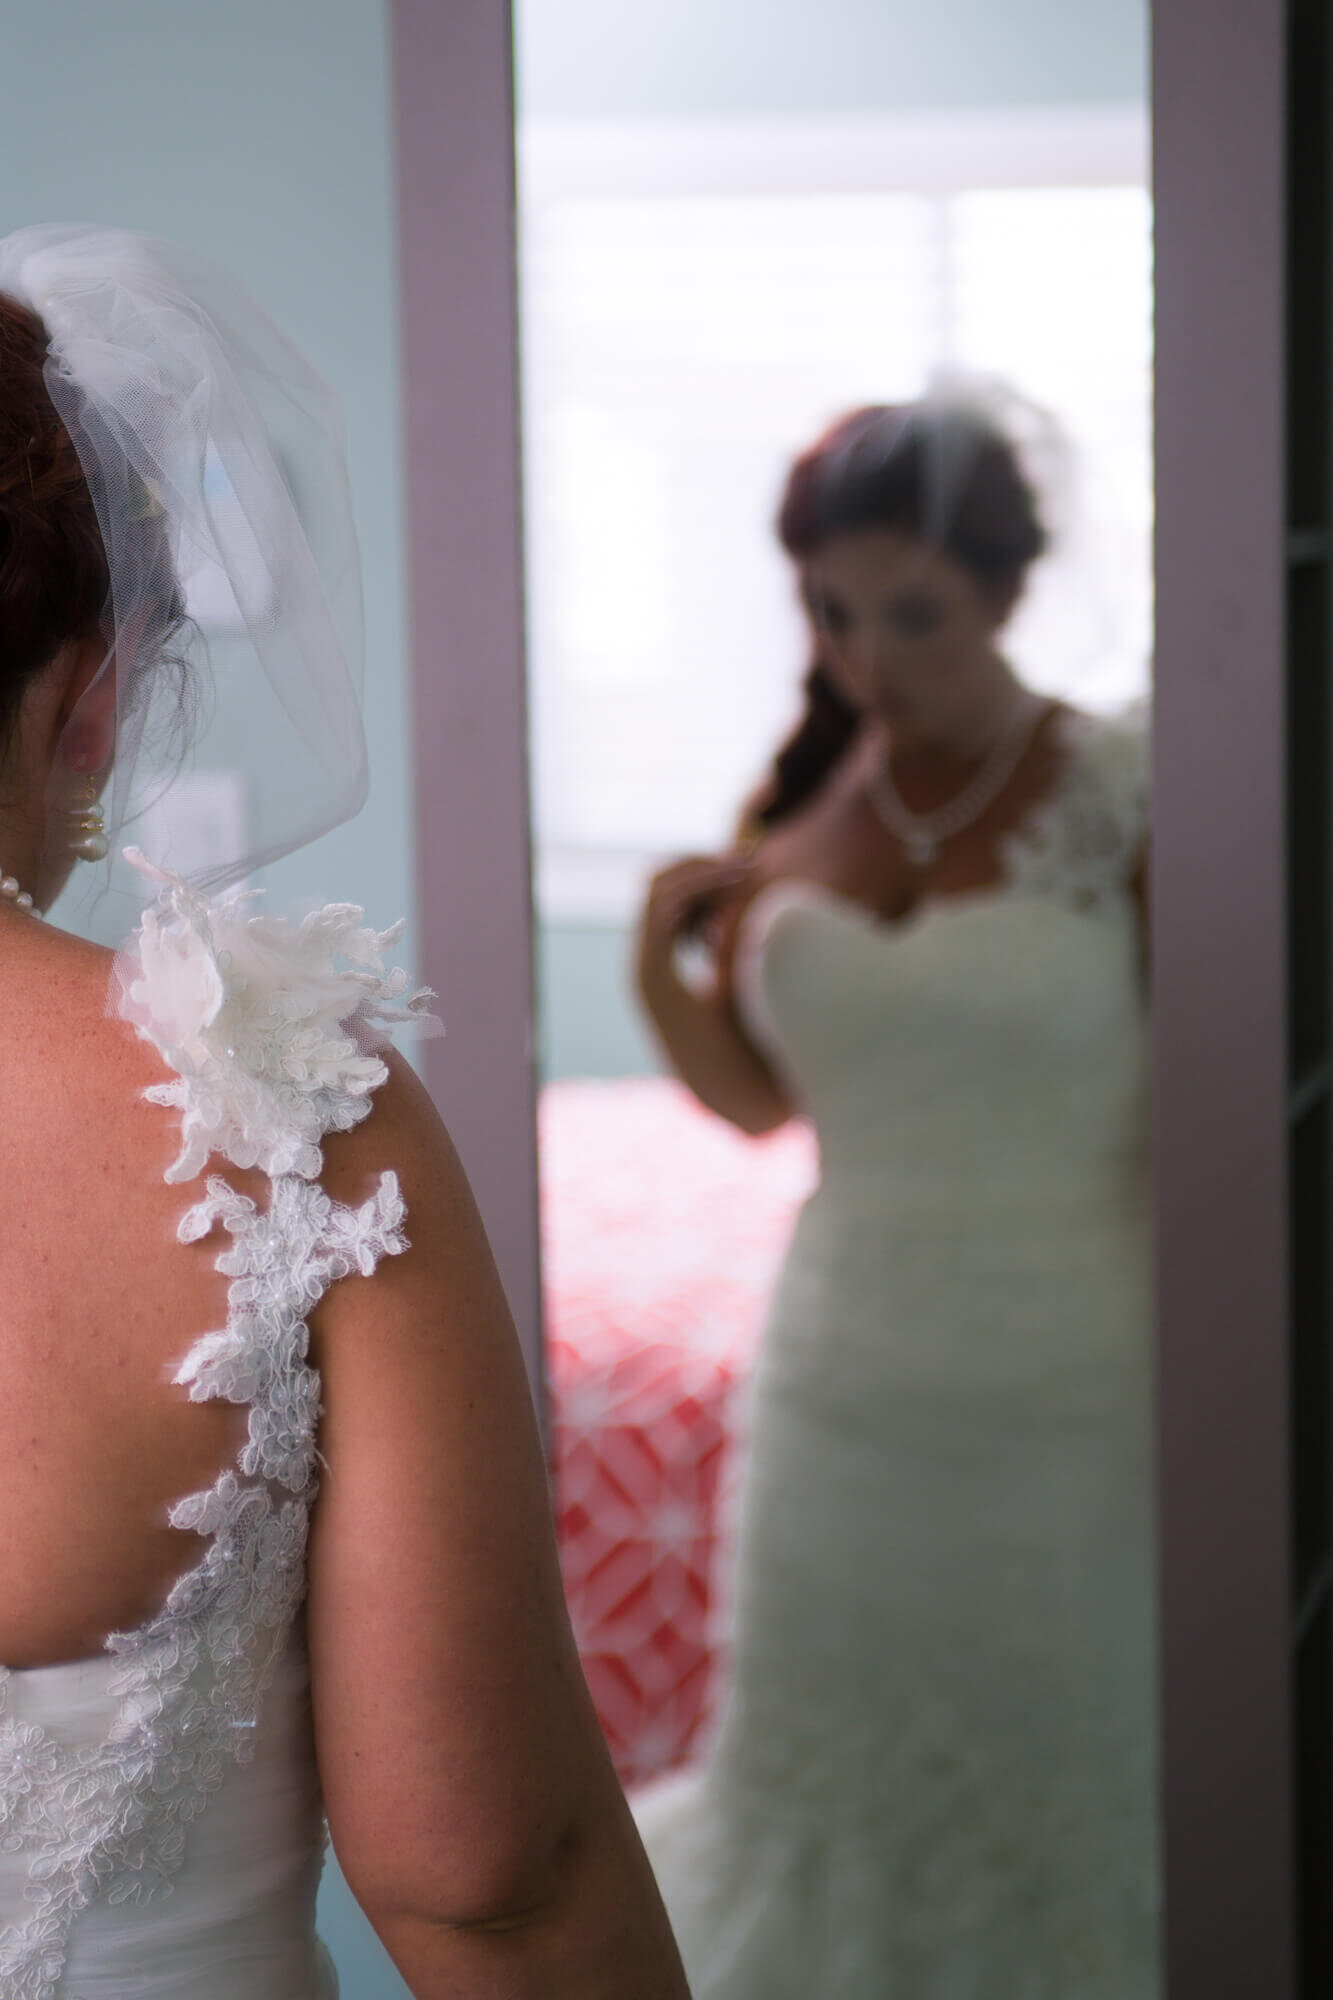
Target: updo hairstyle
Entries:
(55, 585)
(53, 571)
(889, 466)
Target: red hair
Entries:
(53, 570)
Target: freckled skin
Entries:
(95, 1442)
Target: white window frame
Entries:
(904, 153)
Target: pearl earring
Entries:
(88, 828)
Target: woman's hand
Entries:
(699, 1031)
(680, 898)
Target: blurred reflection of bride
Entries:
(934, 1774)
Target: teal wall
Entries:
(256, 132)
(587, 1023)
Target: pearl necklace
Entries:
(10, 892)
(923, 834)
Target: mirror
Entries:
(844, 1189)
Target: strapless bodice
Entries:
(990, 1049)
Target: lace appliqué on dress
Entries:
(1082, 845)
(271, 1027)
(272, 1031)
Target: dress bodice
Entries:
(991, 1046)
(186, 1900)
(160, 1820)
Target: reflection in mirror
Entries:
(837, 454)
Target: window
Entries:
(696, 304)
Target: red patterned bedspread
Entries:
(663, 1230)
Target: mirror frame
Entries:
(454, 104)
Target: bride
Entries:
(934, 1772)
(277, 1545)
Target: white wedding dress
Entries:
(934, 1775)
(161, 1831)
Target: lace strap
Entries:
(273, 1029)
(1083, 845)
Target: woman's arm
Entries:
(469, 1793)
(698, 1030)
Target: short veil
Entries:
(1066, 611)
(213, 453)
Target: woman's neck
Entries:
(964, 739)
(20, 845)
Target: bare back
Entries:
(99, 1303)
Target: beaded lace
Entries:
(1082, 845)
(272, 1031)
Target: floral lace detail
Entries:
(1082, 846)
(271, 1028)
(272, 1036)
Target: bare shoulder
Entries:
(404, 1135)
(402, 1116)
(437, 1307)
(56, 986)
(72, 1060)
